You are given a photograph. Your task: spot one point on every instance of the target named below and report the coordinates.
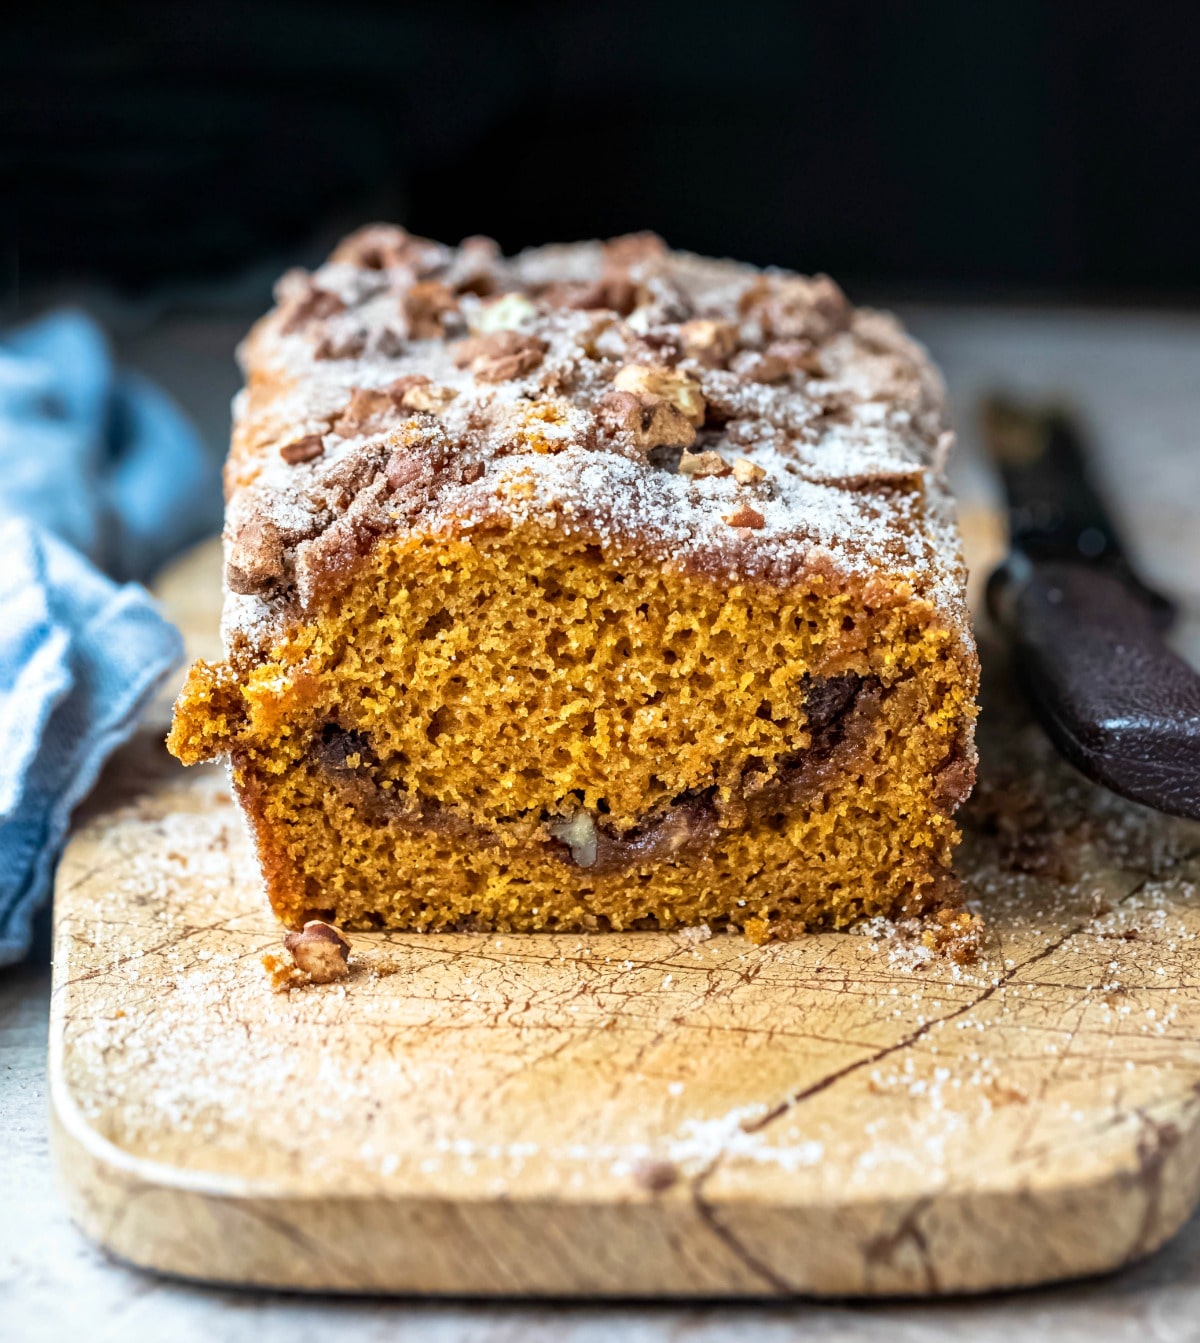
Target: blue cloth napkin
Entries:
(101, 479)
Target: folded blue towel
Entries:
(99, 475)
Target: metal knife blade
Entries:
(1087, 633)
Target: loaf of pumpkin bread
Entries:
(599, 587)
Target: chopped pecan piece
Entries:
(256, 556)
(650, 421)
(615, 289)
(708, 341)
(400, 389)
(366, 406)
(316, 304)
(320, 952)
(795, 307)
(655, 1175)
(342, 344)
(798, 354)
(426, 307)
(745, 516)
(499, 355)
(388, 342)
(673, 386)
(701, 464)
(306, 449)
(631, 249)
(474, 269)
(370, 407)
(760, 367)
(428, 396)
(746, 472)
(617, 293)
(384, 246)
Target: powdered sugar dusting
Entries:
(841, 411)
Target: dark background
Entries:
(1005, 149)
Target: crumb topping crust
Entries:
(748, 424)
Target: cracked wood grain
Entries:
(881, 1248)
(469, 1113)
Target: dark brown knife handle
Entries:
(1118, 703)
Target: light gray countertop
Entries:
(1136, 377)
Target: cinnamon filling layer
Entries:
(840, 711)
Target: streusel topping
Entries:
(751, 424)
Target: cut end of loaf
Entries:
(603, 586)
(509, 731)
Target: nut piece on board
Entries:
(319, 951)
(655, 1174)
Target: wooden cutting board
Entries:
(648, 1114)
